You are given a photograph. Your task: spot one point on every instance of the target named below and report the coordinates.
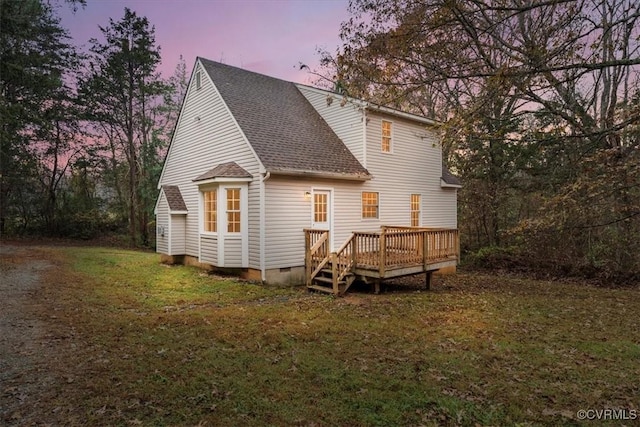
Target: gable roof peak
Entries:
(285, 131)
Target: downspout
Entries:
(263, 223)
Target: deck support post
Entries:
(334, 273)
(383, 251)
(425, 249)
(376, 286)
(307, 257)
(427, 282)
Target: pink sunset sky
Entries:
(267, 36)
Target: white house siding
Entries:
(288, 213)
(233, 252)
(413, 167)
(178, 234)
(207, 135)
(162, 223)
(209, 250)
(345, 120)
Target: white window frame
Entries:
(411, 211)
(227, 211)
(391, 139)
(202, 215)
(198, 78)
(369, 218)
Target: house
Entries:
(260, 171)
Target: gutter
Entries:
(320, 174)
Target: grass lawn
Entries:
(159, 345)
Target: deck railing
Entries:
(393, 247)
(389, 248)
(343, 261)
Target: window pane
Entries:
(415, 210)
(233, 222)
(319, 207)
(233, 210)
(369, 205)
(210, 211)
(386, 136)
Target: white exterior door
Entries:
(321, 210)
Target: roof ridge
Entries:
(245, 70)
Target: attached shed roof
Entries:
(286, 132)
(450, 178)
(174, 198)
(224, 170)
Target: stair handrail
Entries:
(311, 250)
(344, 268)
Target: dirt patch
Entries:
(25, 345)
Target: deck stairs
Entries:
(323, 282)
(394, 251)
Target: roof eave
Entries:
(397, 113)
(322, 174)
(222, 179)
(376, 108)
(445, 184)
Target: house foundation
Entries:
(291, 276)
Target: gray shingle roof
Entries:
(224, 170)
(285, 131)
(174, 198)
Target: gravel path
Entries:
(23, 344)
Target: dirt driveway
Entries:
(27, 348)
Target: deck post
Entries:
(354, 253)
(307, 256)
(383, 251)
(334, 272)
(427, 282)
(425, 248)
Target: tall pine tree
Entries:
(123, 91)
(35, 57)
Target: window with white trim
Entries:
(415, 210)
(370, 206)
(233, 210)
(198, 80)
(386, 136)
(210, 211)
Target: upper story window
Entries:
(386, 136)
(370, 206)
(211, 211)
(415, 210)
(198, 79)
(233, 210)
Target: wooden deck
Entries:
(375, 256)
